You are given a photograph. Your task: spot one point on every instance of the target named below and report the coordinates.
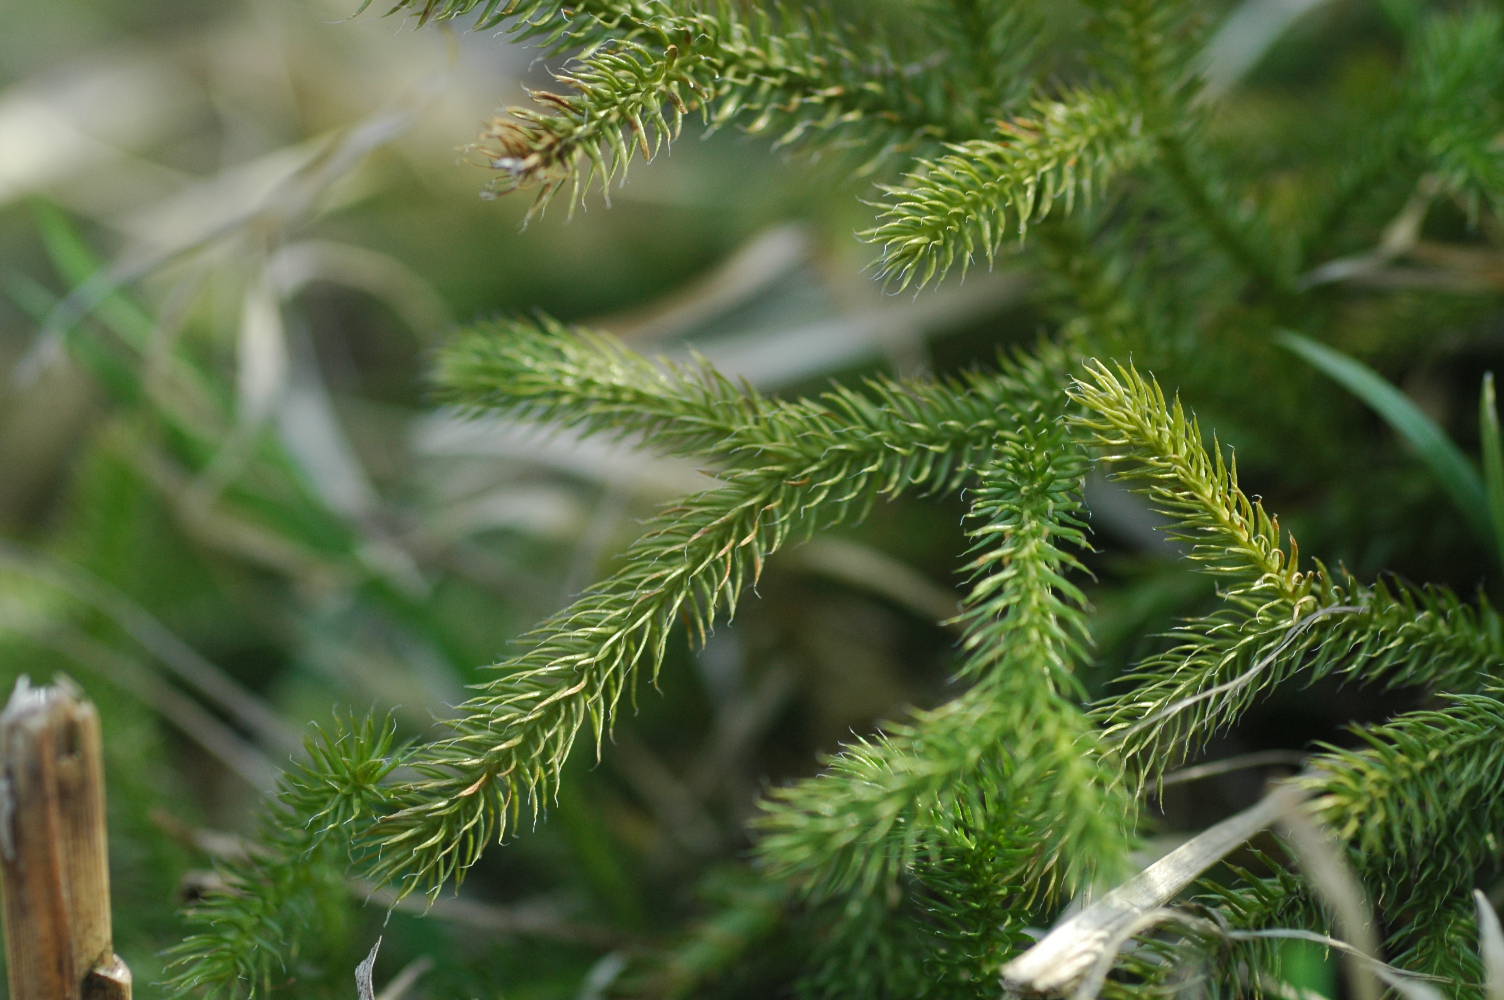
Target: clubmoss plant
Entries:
(1172, 248)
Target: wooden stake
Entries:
(53, 862)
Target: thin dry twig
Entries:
(1247, 676)
(1065, 957)
(1337, 885)
(1241, 762)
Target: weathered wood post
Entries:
(53, 864)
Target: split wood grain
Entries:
(53, 849)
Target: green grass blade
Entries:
(36, 301)
(1492, 443)
(76, 264)
(1452, 469)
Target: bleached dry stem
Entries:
(1066, 956)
